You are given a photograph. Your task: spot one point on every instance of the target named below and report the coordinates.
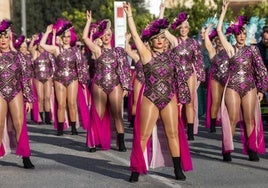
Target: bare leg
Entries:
(40, 94)
(100, 100)
(72, 90)
(233, 102)
(47, 94)
(149, 114)
(137, 88)
(217, 91)
(3, 114)
(169, 116)
(61, 90)
(16, 108)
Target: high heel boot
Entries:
(60, 129)
(177, 169)
(134, 177)
(74, 131)
(27, 163)
(190, 131)
(121, 142)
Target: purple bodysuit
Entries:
(247, 71)
(163, 79)
(69, 67)
(190, 56)
(111, 69)
(14, 76)
(219, 67)
(43, 66)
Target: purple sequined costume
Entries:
(247, 71)
(43, 66)
(164, 79)
(111, 69)
(219, 67)
(14, 76)
(69, 67)
(190, 56)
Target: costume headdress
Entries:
(61, 26)
(181, 17)
(18, 42)
(4, 25)
(237, 27)
(154, 28)
(39, 37)
(101, 27)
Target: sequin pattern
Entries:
(111, 69)
(247, 71)
(219, 67)
(161, 78)
(14, 76)
(191, 56)
(139, 72)
(43, 67)
(69, 67)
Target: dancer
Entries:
(247, 81)
(43, 64)
(192, 61)
(15, 97)
(162, 83)
(110, 84)
(217, 75)
(70, 71)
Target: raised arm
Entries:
(162, 10)
(144, 52)
(32, 48)
(134, 55)
(94, 48)
(226, 45)
(49, 48)
(208, 44)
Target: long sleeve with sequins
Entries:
(82, 68)
(123, 69)
(260, 71)
(26, 76)
(198, 61)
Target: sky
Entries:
(153, 6)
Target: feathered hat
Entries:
(101, 27)
(181, 17)
(19, 41)
(237, 27)
(61, 26)
(4, 25)
(154, 28)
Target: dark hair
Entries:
(265, 29)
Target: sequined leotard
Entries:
(247, 71)
(43, 66)
(14, 76)
(69, 67)
(163, 77)
(111, 69)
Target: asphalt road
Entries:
(64, 162)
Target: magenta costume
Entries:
(246, 72)
(14, 78)
(69, 67)
(219, 72)
(163, 79)
(139, 75)
(111, 69)
(43, 66)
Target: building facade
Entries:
(5, 9)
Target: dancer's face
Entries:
(265, 39)
(184, 29)
(4, 41)
(23, 48)
(159, 42)
(66, 37)
(107, 37)
(241, 37)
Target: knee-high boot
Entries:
(42, 118)
(121, 142)
(178, 169)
